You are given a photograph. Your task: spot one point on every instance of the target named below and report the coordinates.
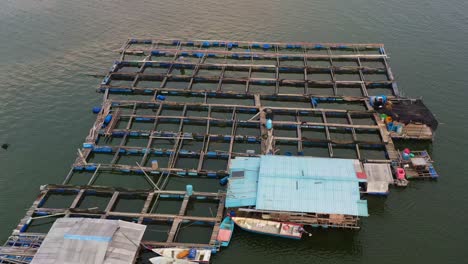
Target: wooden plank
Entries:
(183, 207)
(175, 244)
(112, 201)
(172, 233)
(77, 199)
(18, 251)
(164, 216)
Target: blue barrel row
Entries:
(196, 136)
(184, 173)
(160, 152)
(228, 44)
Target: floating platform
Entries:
(182, 110)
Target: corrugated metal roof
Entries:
(86, 240)
(242, 191)
(309, 184)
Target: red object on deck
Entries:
(400, 174)
(361, 175)
(224, 235)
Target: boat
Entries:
(193, 255)
(225, 231)
(166, 260)
(267, 227)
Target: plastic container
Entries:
(107, 119)
(189, 190)
(161, 97)
(192, 253)
(400, 174)
(399, 129)
(388, 119)
(405, 156)
(382, 117)
(390, 126)
(96, 109)
(88, 145)
(154, 165)
(269, 124)
(407, 151)
(224, 181)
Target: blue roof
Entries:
(242, 191)
(298, 184)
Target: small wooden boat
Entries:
(166, 260)
(267, 227)
(189, 254)
(225, 231)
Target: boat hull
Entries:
(241, 223)
(201, 255)
(226, 229)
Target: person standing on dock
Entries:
(183, 60)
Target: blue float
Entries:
(269, 124)
(224, 181)
(88, 145)
(107, 119)
(189, 190)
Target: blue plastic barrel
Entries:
(192, 253)
(269, 124)
(161, 97)
(87, 145)
(107, 119)
(405, 156)
(224, 181)
(96, 109)
(390, 126)
(189, 189)
(229, 46)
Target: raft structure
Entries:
(176, 114)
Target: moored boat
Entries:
(267, 227)
(225, 231)
(166, 260)
(192, 255)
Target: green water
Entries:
(49, 47)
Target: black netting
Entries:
(407, 111)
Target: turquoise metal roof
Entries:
(242, 191)
(309, 184)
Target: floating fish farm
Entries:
(190, 124)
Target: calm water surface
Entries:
(48, 48)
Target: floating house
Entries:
(306, 190)
(90, 241)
